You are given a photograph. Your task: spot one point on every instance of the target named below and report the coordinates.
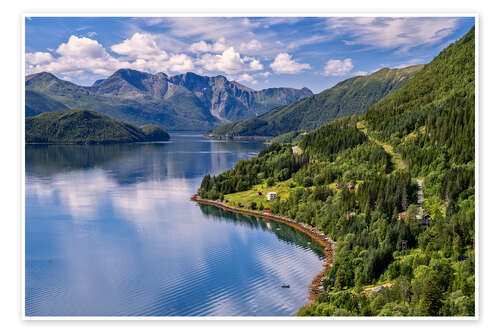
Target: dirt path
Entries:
(396, 158)
(420, 197)
(369, 290)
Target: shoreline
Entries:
(253, 138)
(328, 245)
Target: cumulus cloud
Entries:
(141, 46)
(39, 58)
(336, 67)
(180, 63)
(401, 33)
(146, 55)
(246, 78)
(253, 45)
(229, 62)
(82, 47)
(82, 56)
(204, 47)
(77, 56)
(284, 64)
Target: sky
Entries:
(259, 52)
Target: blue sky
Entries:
(259, 52)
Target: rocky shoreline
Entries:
(316, 286)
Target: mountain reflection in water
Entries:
(110, 231)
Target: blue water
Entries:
(110, 231)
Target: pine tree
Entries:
(431, 299)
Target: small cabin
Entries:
(271, 195)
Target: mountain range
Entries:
(349, 97)
(182, 102)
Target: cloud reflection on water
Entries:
(119, 236)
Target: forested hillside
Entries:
(358, 179)
(349, 97)
(87, 127)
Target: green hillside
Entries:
(37, 103)
(155, 133)
(86, 127)
(349, 97)
(359, 180)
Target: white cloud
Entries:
(229, 62)
(204, 47)
(148, 56)
(360, 73)
(253, 45)
(401, 33)
(84, 58)
(284, 64)
(39, 58)
(175, 63)
(336, 67)
(200, 46)
(210, 28)
(205, 33)
(180, 63)
(82, 47)
(77, 56)
(298, 42)
(246, 78)
(141, 46)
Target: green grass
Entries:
(282, 189)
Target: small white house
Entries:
(271, 195)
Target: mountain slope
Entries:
(394, 187)
(86, 127)
(232, 101)
(349, 97)
(439, 102)
(37, 103)
(186, 101)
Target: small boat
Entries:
(285, 286)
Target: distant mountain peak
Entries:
(351, 96)
(214, 99)
(41, 76)
(97, 82)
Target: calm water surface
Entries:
(110, 231)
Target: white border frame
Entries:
(250, 14)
